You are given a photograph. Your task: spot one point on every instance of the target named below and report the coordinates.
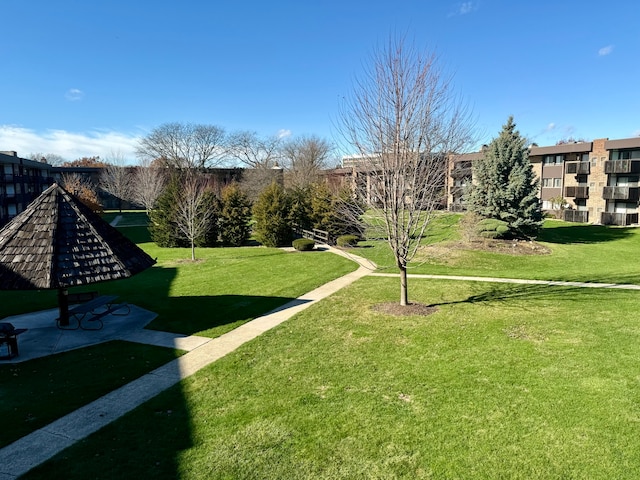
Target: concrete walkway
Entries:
(19, 457)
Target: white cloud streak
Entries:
(464, 8)
(69, 145)
(74, 95)
(604, 51)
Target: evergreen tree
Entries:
(162, 225)
(300, 207)
(271, 212)
(235, 216)
(505, 187)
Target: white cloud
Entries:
(605, 50)
(74, 95)
(283, 133)
(550, 127)
(69, 145)
(464, 8)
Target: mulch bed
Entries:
(404, 310)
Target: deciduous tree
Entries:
(184, 145)
(116, 179)
(147, 184)
(304, 158)
(403, 119)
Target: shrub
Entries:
(347, 241)
(492, 228)
(303, 244)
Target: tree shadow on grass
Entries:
(213, 315)
(512, 294)
(584, 234)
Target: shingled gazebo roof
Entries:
(57, 242)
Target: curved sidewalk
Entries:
(31, 450)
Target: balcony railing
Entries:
(575, 216)
(620, 193)
(576, 192)
(622, 166)
(578, 168)
(461, 172)
(619, 218)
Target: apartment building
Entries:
(598, 179)
(21, 182)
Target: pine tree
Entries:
(235, 216)
(271, 211)
(505, 187)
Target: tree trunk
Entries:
(193, 250)
(404, 295)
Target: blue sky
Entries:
(89, 78)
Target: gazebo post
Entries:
(63, 306)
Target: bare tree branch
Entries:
(193, 217)
(254, 151)
(304, 158)
(116, 179)
(403, 120)
(147, 184)
(184, 145)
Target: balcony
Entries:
(622, 166)
(461, 171)
(620, 193)
(576, 192)
(578, 168)
(575, 216)
(619, 218)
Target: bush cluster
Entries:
(347, 241)
(492, 228)
(303, 244)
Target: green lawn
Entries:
(504, 381)
(578, 253)
(35, 393)
(225, 288)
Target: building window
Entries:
(557, 182)
(553, 159)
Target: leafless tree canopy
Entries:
(304, 158)
(184, 145)
(147, 184)
(116, 179)
(52, 159)
(403, 119)
(193, 218)
(254, 151)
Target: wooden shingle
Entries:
(57, 242)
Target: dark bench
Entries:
(89, 310)
(9, 337)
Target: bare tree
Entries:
(147, 184)
(184, 145)
(52, 159)
(193, 213)
(260, 156)
(403, 119)
(304, 158)
(83, 188)
(116, 178)
(254, 151)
